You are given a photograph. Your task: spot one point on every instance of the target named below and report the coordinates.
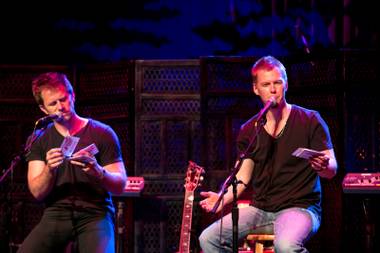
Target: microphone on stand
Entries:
(271, 103)
(44, 121)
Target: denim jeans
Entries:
(292, 227)
(92, 230)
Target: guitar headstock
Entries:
(193, 176)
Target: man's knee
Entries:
(203, 239)
(288, 246)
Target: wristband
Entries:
(102, 174)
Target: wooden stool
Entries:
(259, 239)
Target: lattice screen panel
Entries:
(160, 232)
(226, 98)
(167, 116)
(176, 77)
(363, 135)
(173, 106)
(216, 143)
(362, 110)
(361, 68)
(27, 112)
(161, 187)
(317, 73)
(228, 75)
(105, 81)
(104, 110)
(16, 81)
(167, 136)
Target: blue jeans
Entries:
(92, 230)
(292, 227)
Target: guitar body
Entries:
(192, 180)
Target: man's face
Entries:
(270, 84)
(58, 100)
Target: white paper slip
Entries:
(68, 145)
(82, 159)
(306, 153)
(92, 149)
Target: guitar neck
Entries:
(187, 214)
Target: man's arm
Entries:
(41, 175)
(243, 175)
(326, 165)
(40, 179)
(114, 177)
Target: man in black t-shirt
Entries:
(287, 190)
(76, 185)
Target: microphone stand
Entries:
(232, 180)
(31, 139)
(15, 161)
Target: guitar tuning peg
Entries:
(201, 178)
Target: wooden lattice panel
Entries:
(158, 225)
(105, 110)
(317, 73)
(167, 108)
(107, 80)
(16, 81)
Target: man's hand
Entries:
(88, 163)
(209, 202)
(54, 158)
(320, 162)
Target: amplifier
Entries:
(361, 183)
(133, 188)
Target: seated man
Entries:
(287, 189)
(76, 189)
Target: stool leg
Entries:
(259, 247)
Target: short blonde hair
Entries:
(268, 63)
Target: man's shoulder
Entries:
(98, 128)
(96, 124)
(304, 111)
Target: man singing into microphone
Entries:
(75, 185)
(286, 197)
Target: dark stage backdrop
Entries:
(167, 112)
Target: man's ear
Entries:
(42, 108)
(254, 88)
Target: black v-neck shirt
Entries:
(279, 179)
(73, 186)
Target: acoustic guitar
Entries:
(192, 180)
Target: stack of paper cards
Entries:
(306, 153)
(68, 145)
(92, 149)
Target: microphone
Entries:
(44, 121)
(271, 103)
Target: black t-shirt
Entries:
(279, 179)
(72, 186)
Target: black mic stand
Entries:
(232, 180)
(15, 161)
(31, 139)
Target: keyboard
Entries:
(361, 183)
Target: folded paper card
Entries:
(306, 153)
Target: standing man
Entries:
(76, 188)
(287, 189)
